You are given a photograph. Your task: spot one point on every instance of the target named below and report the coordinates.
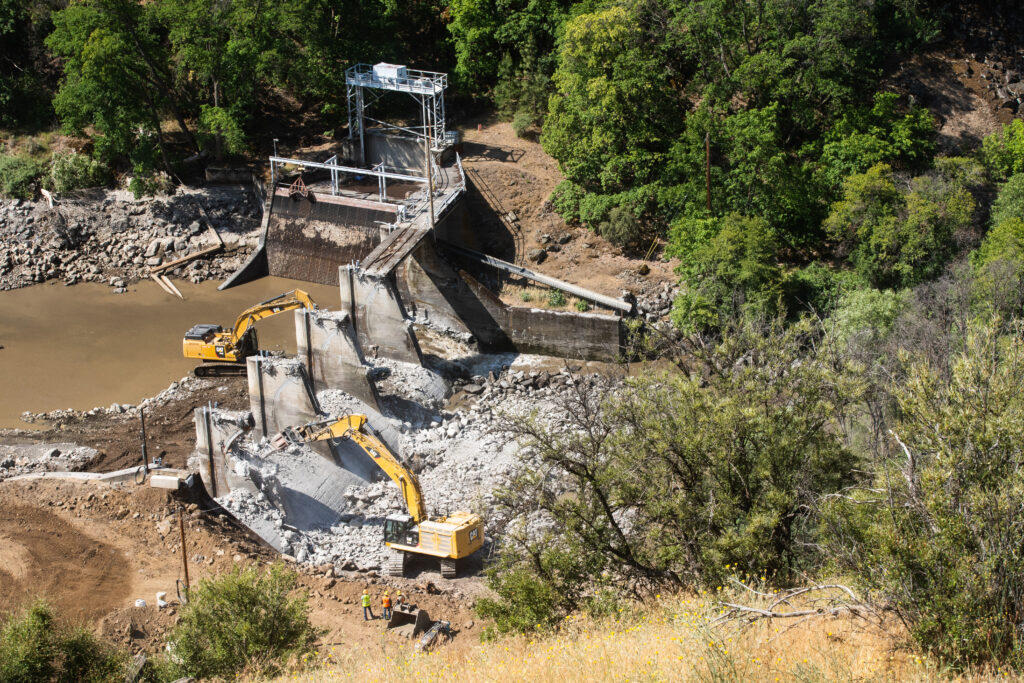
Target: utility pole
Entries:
(145, 457)
(707, 167)
(427, 132)
(184, 552)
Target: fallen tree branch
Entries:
(752, 613)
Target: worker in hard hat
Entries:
(399, 599)
(385, 603)
(367, 610)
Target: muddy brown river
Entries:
(84, 346)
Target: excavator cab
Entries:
(203, 332)
(401, 529)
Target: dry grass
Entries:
(670, 642)
(538, 297)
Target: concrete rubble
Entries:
(115, 239)
(460, 457)
(19, 459)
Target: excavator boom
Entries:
(228, 349)
(355, 427)
(448, 538)
(279, 304)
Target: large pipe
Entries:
(617, 304)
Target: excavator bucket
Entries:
(404, 615)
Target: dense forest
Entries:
(846, 334)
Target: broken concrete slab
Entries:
(329, 348)
(381, 323)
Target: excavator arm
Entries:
(279, 304)
(354, 427)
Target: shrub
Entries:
(243, 619)
(941, 538)
(34, 647)
(556, 298)
(622, 228)
(566, 200)
(1002, 153)
(526, 295)
(72, 171)
(582, 305)
(1009, 203)
(521, 123)
(538, 597)
(18, 176)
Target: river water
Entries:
(84, 346)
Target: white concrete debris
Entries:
(18, 459)
(460, 458)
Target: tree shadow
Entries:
(480, 151)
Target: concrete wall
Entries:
(328, 347)
(435, 290)
(568, 334)
(279, 394)
(397, 152)
(309, 240)
(215, 430)
(381, 324)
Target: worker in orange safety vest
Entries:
(385, 603)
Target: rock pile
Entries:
(460, 457)
(16, 460)
(116, 239)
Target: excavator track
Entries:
(448, 569)
(394, 565)
(220, 370)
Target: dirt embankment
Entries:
(512, 175)
(92, 550)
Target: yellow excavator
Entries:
(223, 352)
(448, 538)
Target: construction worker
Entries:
(399, 599)
(366, 606)
(385, 603)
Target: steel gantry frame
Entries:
(426, 87)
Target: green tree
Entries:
(673, 478)
(998, 266)
(613, 104)
(898, 238)
(881, 134)
(26, 76)
(115, 77)
(508, 45)
(734, 275)
(1002, 153)
(1009, 202)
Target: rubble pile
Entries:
(116, 239)
(176, 390)
(19, 459)
(460, 457)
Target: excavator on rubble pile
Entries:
(223, 351)
(448, 538)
